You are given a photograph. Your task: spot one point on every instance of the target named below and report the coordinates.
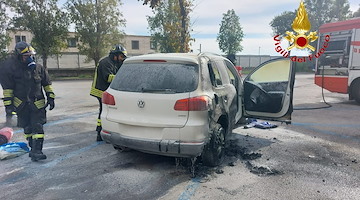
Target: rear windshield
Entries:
(156, 78)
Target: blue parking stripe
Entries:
(23, 175)
(62, 120)
(72, 154)
(190, 189)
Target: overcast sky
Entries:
(255, 16)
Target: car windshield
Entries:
(156, 78)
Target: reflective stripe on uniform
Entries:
(52, 95)
(98, 122)
(110, 78)
(17, 102)
(48, 88)
(38, 136)
(96, 92)
(40, 103)
(7, 103)
(8, 93)
(28, 135)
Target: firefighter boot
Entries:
(37, 153)
(30, 142)
(99, 138)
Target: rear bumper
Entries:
(171, 148)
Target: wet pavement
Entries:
(316, 157)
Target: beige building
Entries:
(70, 57)
(134, 44)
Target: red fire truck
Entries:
(337, 67)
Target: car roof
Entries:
(170, 57)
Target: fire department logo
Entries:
(301, 25)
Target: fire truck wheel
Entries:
(356, 91)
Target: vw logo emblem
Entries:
(141, 104)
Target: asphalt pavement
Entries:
(316, 157)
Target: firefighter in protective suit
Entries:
(24, 83)
(104, 73)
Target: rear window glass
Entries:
(156, 78)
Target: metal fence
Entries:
(252, 60)
(68, 61)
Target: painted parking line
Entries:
(24, 175)
(60, 121)
(190, 189)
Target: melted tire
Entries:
(214, 151)
(355, 90)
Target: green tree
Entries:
(319, 12)
(325, 11)
(282, 23)
(230, 33)
(356, 13)
(153, 3)
(171, 22)
(45, 21)
(98, 25)
(340, 10)
(4, 38)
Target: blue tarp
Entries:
(12, 150)
(262, 125)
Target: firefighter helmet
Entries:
(118, 49)
(22, 48)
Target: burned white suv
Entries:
(185, 105)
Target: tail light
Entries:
(108, 99)
(192, 104)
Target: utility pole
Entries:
(259, 56)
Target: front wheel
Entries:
(355, 90)
(214, 151)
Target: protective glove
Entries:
(51, 102)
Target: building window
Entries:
(153, 45)
(135, 44)
(71, 42)
(19, 38)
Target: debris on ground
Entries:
(12, 150)
(261, 125)
(262, 171)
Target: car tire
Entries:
(214, 151)
(355, 90)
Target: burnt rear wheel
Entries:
(214, 151)
(355, 90)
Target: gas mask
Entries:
(31, 62)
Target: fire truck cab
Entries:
(337, 67)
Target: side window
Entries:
(135, 44)
(220, 65)
(230, 73)
(214, 75)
